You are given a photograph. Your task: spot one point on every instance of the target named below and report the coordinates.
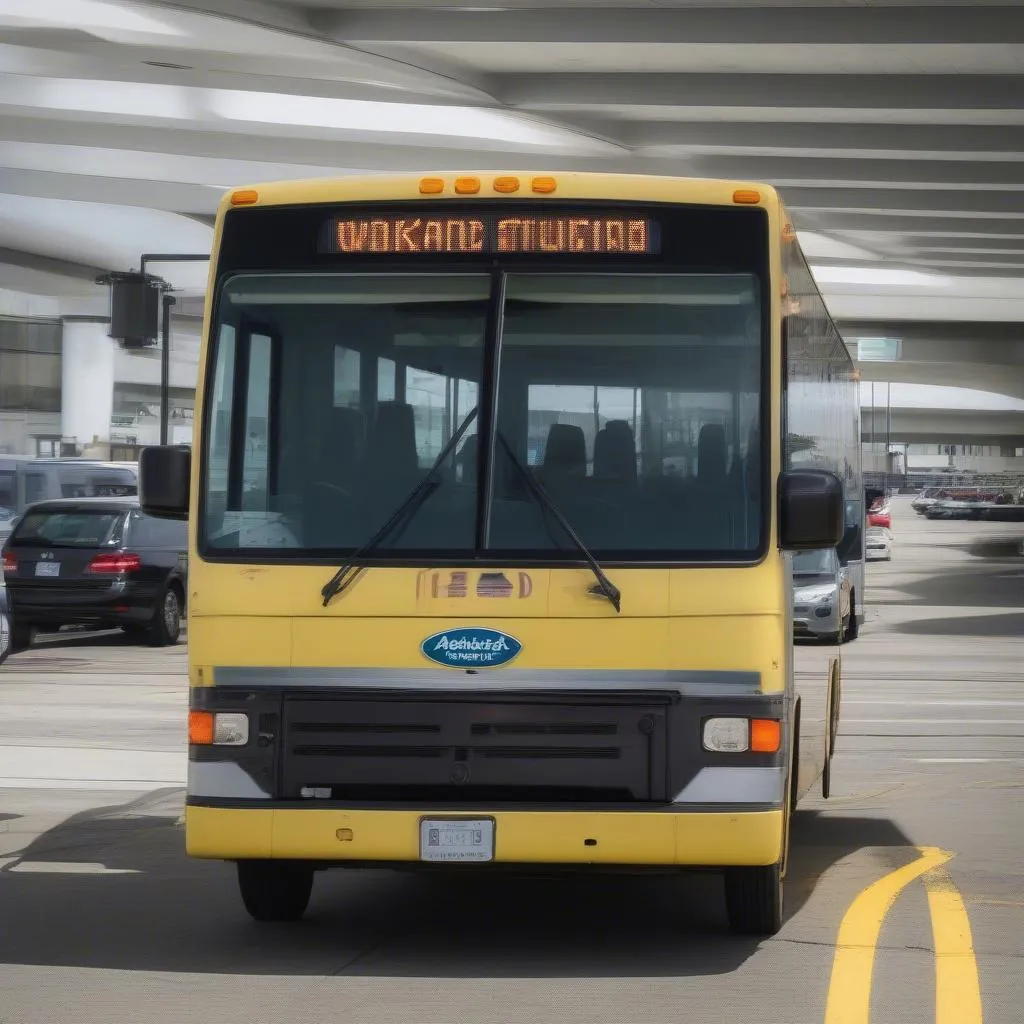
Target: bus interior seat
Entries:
(332, 482)
(565, 454)
(615, 453)
(390, 462)
(712, 455)
(391, 448)
(713, 512)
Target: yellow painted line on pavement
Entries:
(957, 987)
(849, 990)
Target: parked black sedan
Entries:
(96, 562)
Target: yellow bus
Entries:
(493, 500)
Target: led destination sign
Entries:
(576, 234)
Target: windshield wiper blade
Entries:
(347, 573)
(604, 587)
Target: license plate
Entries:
(457, 839)
(47, 568)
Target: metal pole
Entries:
(873, 452)
(165, 369)
(888, 429)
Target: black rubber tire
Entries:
(5, 634)
(21, 635)
(852, 630)
(165, 628)
(753, 899)
(275, 890)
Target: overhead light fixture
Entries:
(86, 15)
(878, 350)
(377, 116)
(877, 276)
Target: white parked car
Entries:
(878, 544)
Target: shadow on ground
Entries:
(984, 584)
(1000, 625)
(997, 547)
(165, 912)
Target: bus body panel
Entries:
(255, 620)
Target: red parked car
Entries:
(878, 514)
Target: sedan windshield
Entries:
(67, 529)
(821, 562)
(632, 398)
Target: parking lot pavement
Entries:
(105, 920)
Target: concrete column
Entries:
(87, 379)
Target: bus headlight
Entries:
(727, 735)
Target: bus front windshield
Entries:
(634, 398)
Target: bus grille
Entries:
(465, 751)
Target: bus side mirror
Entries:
(811, 510)
(165, 472)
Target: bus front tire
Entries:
(275, 890)
(753, 899)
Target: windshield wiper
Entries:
(604, 587)
(409, 507)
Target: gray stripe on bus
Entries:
(734, 785)
(687, 683)
(222, 780)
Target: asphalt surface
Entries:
(103, 918)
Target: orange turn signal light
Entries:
(200, 728)
(506, 185)
(431, 186)
(749, 196)
(545, 186)
(765, 735)
(467, 186)
(245, 197)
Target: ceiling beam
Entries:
(847, 26)
(941, 202)
(169, 196)
(829, 171)
(885, 223)
(889, 93)
(49, 265)
(972, 141)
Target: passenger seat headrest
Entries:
(566, 450)
(712, 452)
(615, 452)
(394, 438)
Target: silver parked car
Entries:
(8, 520)
(821, 596)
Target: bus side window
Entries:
(35, 487)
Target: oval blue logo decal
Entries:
(471, 647)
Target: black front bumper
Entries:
(81, 602)
(458, 749)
